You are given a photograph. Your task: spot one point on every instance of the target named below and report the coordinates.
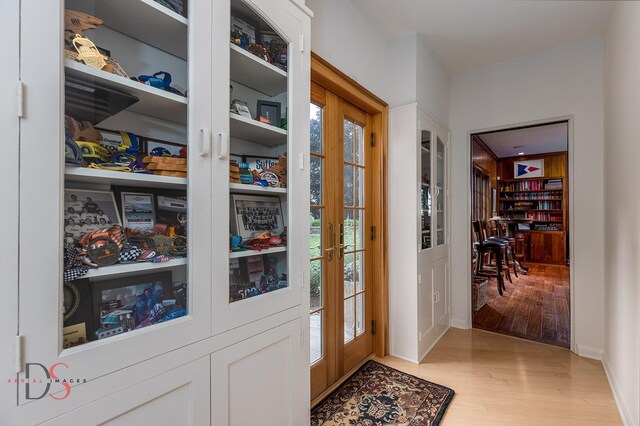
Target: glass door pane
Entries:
(258, 258)
(316, 226)
(426, 217)
(440, 192)
(126, 199)
(352, 229)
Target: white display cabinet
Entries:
(269, 278)
(419, 245)
(122, 332)
(189, 298)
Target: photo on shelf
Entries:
(172, 211)
(137, 211)
(254, 275)
(256, 214)
(125, 304)
(269, 111)
(241, 108)
(158, 145)
(88, 211)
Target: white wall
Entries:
(342, 36)
(432, 84)
(399, 71)
(622, 246)
(557, 82)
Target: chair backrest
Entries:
(495, 228)
(477, 232)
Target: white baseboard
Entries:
(625, 414)
(457, 323)
(589, 352)
(404, 358)
(433, 345)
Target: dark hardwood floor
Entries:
(534, 307)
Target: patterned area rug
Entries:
(380, 395)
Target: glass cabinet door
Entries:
(120, 189)
(257, 132)
(426, 188)
(440, 191)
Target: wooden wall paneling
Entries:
(555, 164)
(485, 159)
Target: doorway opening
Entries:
(520, 232)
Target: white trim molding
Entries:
(625, 414)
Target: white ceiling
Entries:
(530, 140)
(468, 34)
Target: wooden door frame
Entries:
(329, 77)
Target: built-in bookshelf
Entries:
(539, 203)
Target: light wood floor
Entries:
(505, 380)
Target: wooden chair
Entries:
(495, 232)
(484, 247)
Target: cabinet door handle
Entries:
(205, 141)
(224, 145)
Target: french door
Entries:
(340, 232)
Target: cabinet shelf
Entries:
(255, 131)
(251, 71)
(238, 254)
(131, 268)
(151, 101)
(110, 177)
(163, 28)
(239, 188)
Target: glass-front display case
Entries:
(126, 192)
(433, 188)
(440, 192)
(425, 189)
(258, 156)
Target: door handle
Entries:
(341, 240)
(224, 145)
(205, 140)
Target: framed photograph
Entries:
(172, 210)
(270, 111)
(172, 147)
(137, 211)
(256, 214)
(88, 211)
(241, 108)
(121, 305)
(254, 275)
